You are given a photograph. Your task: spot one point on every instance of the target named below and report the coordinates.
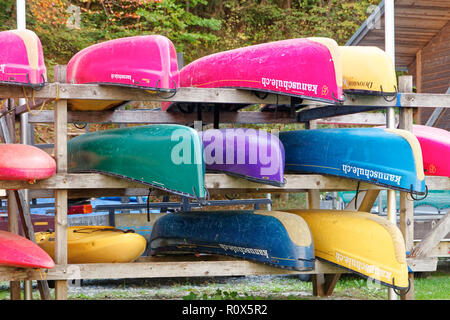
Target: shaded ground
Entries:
(430, 286)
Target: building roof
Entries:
(416, 23)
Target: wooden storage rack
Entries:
(64, 183)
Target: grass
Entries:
(435, 286)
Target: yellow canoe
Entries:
(361, 242)
(367, 70)
(93, 105)
(96, 244)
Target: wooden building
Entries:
(422, 48)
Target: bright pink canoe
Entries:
(17, 251)
(435, 145)
(148, 62)
(308, 68)
(21, 58)
(24, 162)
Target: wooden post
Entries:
(13, 226)
(365, 201)
(407, 205)
(13, 217)
(418, 82)
(61, 197)
(323, 284)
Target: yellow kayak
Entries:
(367, 70)
(361, 242)
(96, 244)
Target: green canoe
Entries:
(168, 157)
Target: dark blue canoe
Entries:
(276, 238)
(386, 157)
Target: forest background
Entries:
(196, 27)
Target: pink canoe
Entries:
(147, 62)
(307, 68)
(17, 251)
(24, 162)
(21, 58)
(435, 145)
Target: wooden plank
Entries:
(242, 117)
(294, 183)
(61, 195)
(364, 118)
(103, 92)
(364, 201)
(215, 95)
(154, 117)
(424, 264)
(158, 269)
(432, 239)
(13, 226)
(407, 205)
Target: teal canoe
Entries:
(167, 157)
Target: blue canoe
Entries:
(275, 238)
(388, 157)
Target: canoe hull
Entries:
(167, 157)
(24, 162)
(255, 155)
(275, 238)
(311, 70)
(435, 145)
(96, 244)
(361, 242)
(21, 59)
(146, 62)
(367, 70)
(17, 251)
(386, 157)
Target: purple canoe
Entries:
(255, 155)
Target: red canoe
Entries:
(435, 144)
(25, 162)
(21, 58)
(17, 251)
(308, 68)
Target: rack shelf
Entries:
(218, 183)
(63, 182)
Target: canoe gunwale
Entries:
(410, 191)
(390, 285)
(34, 86)
(189, 248)
(250, 178)
(255, 91)
(370, 92)
(133, 86)
(180, 193)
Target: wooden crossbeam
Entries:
(294, 183)
(159, 267)
(212, 95)
(432, 239)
